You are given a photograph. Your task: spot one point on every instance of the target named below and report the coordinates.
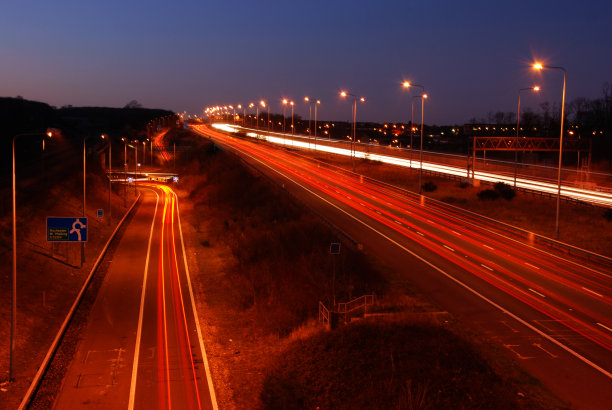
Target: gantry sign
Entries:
(523, 144)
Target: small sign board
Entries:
(175, 179)
(334, 248)
(61, 229)
(100, 213)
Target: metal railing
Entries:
(323, 314)
(362, 302)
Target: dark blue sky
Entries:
(472, 56)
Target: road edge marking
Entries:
(213, 397)
(449, 276)
(141, 312)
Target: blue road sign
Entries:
(60, 229)
(100, 213)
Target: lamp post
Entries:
(518, 121)
(239, 106)
(354, 130)
(539, 67)
(285, 102)
(265, 105)
(50, 134)
(292, 127)
(110, 173)
(423, 97)
(312, 102)
(84, 192)
(124, 171)
(408, 84)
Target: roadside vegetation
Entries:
(260, 263)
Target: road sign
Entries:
(60, 229)
(100, 213)
(175, 179)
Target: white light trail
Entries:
(596, 197)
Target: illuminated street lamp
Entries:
(292, 127)
(124, 171)
(144, 153)
(110, 173)
(50, 132)
(518, 121)
(539, 67)
(243, 115)
(264, 105)
(251, 105)
(312, 102)
(354, 114)
(408, 84)
(285, 102)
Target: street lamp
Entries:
(312, 102)
(518, 121)
(292, 127)
(239, 106)
(110, 173)
(50, 132)
(539, 67)
(285, 102)
(408, 84)
(144, 153)
(354, 130)
(264, 105)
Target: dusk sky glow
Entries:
(472, 57)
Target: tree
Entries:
(133, 104)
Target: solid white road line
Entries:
(211, 389)
(448, 275)
(140, 315)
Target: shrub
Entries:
(608, 214)
(429, 186)
(488, 195)
(504, 190)
(464, 184)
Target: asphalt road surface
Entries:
(550, 313)
(142, 347)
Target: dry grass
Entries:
(260, 264)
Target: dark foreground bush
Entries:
(385, 366)
(504, 190)
(429, 186)
(488, 195)
(608, 214)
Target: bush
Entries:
(608, 214)
(504, 190)
(488, 195)
(429, 186)
(464, 184)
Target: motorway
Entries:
(440, 164)
(550, 313)
(142, 347)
